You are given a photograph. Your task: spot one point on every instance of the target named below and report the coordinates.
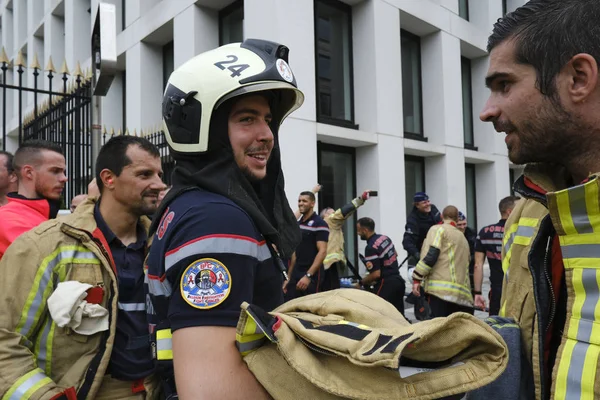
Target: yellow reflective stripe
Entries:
(530, 222)
(589, 372)
(438, 238)
(27, 385)
(577, 283)
(164, 344)
(249, 336)
(502, 312)
(522, 240)
(588, 238)
(452, 266)
(449, 286)
(361, 326)
(37, 298)
(592, 205)
(564, 212)
(422, 268)
(563, 370)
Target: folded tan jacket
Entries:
(351, 344)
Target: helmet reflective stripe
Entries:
(209, 79)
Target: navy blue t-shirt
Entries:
(206, 259)
(489, 241)
(131, 357)
(314, 230)
(380, 254)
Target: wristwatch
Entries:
(308, 275)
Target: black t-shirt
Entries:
(131, 358)
(489, 241)
(314, 230)
(206, 259)
(380, 254)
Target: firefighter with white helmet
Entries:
(223, 226)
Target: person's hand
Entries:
(356, 285)
(316, 189)
(416, 290)
(284, 286)
(365, 195)
(479, 302)
(303, 283)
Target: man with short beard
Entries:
(73, 321)
(545, 95)
(40, 168)
(220, 229)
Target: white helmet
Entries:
(198, 87)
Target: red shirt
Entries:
(19, 216)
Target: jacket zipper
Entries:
(547, 274)
(315, 348)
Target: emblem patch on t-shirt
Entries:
(205, 283)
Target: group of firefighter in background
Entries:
(218, 291)
(445, 258)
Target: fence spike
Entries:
(20, 60)
(3, 56)
(104, 130)
(35, 63)
(112, 131)
(50, 65)
(77, 71)
(120, 132)
(64, 69)
(126, 131)
(88, 74)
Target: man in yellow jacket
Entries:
(68, 328)
(545, 96)
(444, 268)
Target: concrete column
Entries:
(292, 24)
(144, 82)
(195, 30)
(493, 184)
(377, 61)
(445, 178)
(77, 33)
(54, 44)
(112, 105)
(373, 172)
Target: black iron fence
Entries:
(61, 114)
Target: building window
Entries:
(504, 7)
(333, 44)
(463, 9)
(337, 174)
(412, 98)
(471, 196)
(414, 178)
(467, 103)
(168, 54)
(231, 23)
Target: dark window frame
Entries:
(352, 152)
(414, 135)
(463, 64)
(422, 163)
(345, 8)
(166, 47)
(227, 11)
(472, 167)
(504, 7)
(466, 10)
(511, 177)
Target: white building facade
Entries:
(393, 89)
